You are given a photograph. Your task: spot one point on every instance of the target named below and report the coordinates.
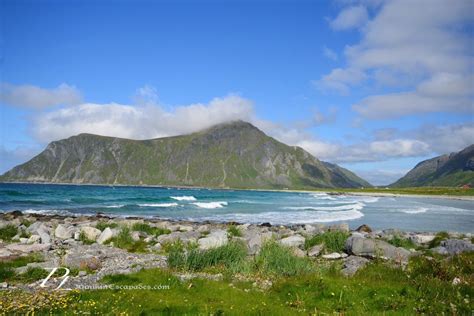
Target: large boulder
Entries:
(90, 233)
(215, 239)
(352, 264)
(456, 246)
(106, 235)
(315, 250)
(293, 241)
(422, 238)
(373, 248)
(64, 232)
(255, 239)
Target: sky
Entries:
(373, 85)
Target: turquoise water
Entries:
(417, 214)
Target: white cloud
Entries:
(30, 96)
(138, 122)
(429, 55)
(351, 17)
(329, 53)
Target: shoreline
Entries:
(316, 190)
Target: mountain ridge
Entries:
(455, 169)
(228, 155)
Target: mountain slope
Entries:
(455, 169)
(234, 155)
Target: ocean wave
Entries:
(355, 206)
(369, 199)
(323, 196)
(114, 206)
(417, 210)
(210, 204)
(50, 212)
(277, 218)
(158, 204)
(184, 198)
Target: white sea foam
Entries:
(415, 210)
(369, 199)
(114, 206)
(48, 212)
(355, 206)
(210, 204)
(323, 196)
(303, 217)
(158, 204)
(184, 198)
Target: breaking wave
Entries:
(183, 198)
(158, 204)
(210, 205)
(356, 206)
(415, 211)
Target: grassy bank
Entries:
(297, 286)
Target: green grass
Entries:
(424, 287)
(334, 241)
(85, 240)
(440, 236)
(398, 241)
(234, 231)
(103, 225)
(7, 267)
(125, 241)
(194, 259)
(32, 274)
(277, 260)
(146, 228)
(455, 191)
(8, 232)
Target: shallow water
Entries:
(405, 213)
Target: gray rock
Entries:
(334, 255)
(215, 239)
(315, 250)
(298, 252)
(203, 228)
(91, 233)
(293, 241)
(343, 227)
(352, 264)
(422, 238)
(255, 239)
(42, 231)
(366, 247)
(34, 239)
(5, 253)
(135, 236)
(28, 248)
(105, 235)
(186, 237)
(64, 232)
(457, 246)
(440, 250)
(185, 228)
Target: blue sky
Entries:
(368, 84)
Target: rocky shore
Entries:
(93, 246)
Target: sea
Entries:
(244, 206)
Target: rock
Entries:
(203, 228)
(5, 253)
(364, 229)
(298, 252)
(421, 238)
(440, 250)
(77, 235)
(457, 246)
(343, 227)
(352, 264)
(357, 234)
(135, 236)
(315, 250)
(42, 231)
(293, 241)
(263, 284)
(64, 232)
(34, 239)
(313, 229)
(366, 247)
(82, 273)
(4, 285)
(28, 248)
(456, 281)
(157, 246)
(90, 233)
(334, 255)
(185, 228)
(186, 237)
(23, 240)
(16, 237)
(255, 239)
(148, 239)
(266, 224)
(105, 235)
(215, 239)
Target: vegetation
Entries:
(234, 231)
(103, 225)
(85, 240)
(125, 241)
(398, 241)
(7, 267)
(8, 232)
(334, 241)
(424, 287)
(146, 228)
(439, 237)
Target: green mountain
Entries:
(235, 154)
(456, 169)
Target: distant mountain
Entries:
(455, 169)
(235, 155)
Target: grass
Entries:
(125, 241)
(194, 259)
(334, 241)
(234, 231)
(85, 240)
(7, 232)
(7, 267)
(424, 287)
(103, 225)
(439, 237)
(150, 230)
(398, 241)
